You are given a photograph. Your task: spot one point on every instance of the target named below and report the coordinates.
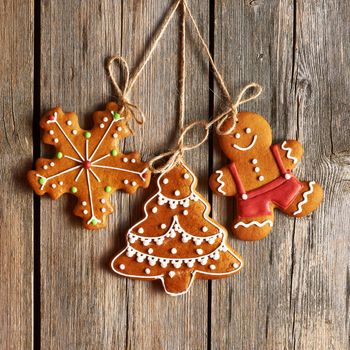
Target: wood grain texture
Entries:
(16, 213)
(294, 291)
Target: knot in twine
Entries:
(176, 154)
(122, 93)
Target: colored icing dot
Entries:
(59, 155)
(248, 130)
(125, 160)
(116, 115)
(69, 122)
(177, 193)
(122, 266)
(163, 226)
(212, 267)
(133, 183)
(105, 119)
(147, 271)
(254, 161)
(83, 204)
(114, 152)
(133, 160)
(205, 229)
(115, 135)
(108, 189)
(237, 135)
(140, 230)
(154, 210)
(52, 117)
(173, 250)
(73, 189)
(94, 221)
(86, 164)
(87, 134)
(74, 132)
(41, 181)
(235, 265)
(103, 201)
(55, 140)
(186, 176)
(199, 251)
(150, 251)
(185, 212)
(165, 181)
(126, 182)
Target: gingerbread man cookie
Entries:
(260, 177)
(177, 241)
(88, 163)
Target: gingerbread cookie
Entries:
(260, 177)
(177, 241)
(88, 163)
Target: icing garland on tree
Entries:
(88, 163)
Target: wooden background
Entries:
(57, 291)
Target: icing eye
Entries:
(237, 135)
(165, 181)
(248, 130)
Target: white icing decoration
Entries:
(212, 267)
(51, 132)
(199, 251)
(237, 135)
(69, 122)
(171, 274)
(60, 183)
(103, 201)
(103, 210)
(261, 178)
(125, 160)
(287, 176)
(185, 212)
(84, 204)
(235, 265)
(248, 130)
(52, 164)
(85, 211)
(102, 125)
(122, 266)
(165, 181)
(177, 193)
(154, 210)
(147, 271)
(255, 137)
(53, 185)
(257, 169)
(173, 250)
(134, 183)
(45, 167)
(289, 152)
(222, 184)
(150, 251)
(305, 195)
(74, 132)
(119, 128)
(186, 176)
(140, 230)
(125, 181)
(244, 196)
(115, 135)
(254, 161)
(255, 223)
(105, 119)
(163, 226)
(205, 229)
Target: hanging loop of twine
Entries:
(122, 93)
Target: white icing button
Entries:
(126, 182)
(115, 135)
(237, 135)
(45, 167)
(199, 251)
(119, 128)
(103, 210)
(103, 201)
(150, 251)
(177, 193)
(83, 204)
(60, 183)
(254, 161)
(261, 178)
(287, 176)
(52, 164)
(133, 183)
(53, 185)
(173, 251)
(248, 130)
(257, 169)
(185, 212)
(154, 210)
(74, 132)
(205, 229)
(165, 181)
(102, 125)
(186, 176)
(69, 122)
(235, 265)
(147, 271)
(105, 119)
(51, 132)
(133, 160)
(244, 196)
(212, 267)
(125, 160)
(85, 211)
(55, 140)
(122, 266)
(171, 274)
(140, 230)
(163, 226)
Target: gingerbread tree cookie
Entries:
(177, 241)
(260, 177)
(88, 163)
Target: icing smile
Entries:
(248, 147)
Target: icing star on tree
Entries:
(177, 241)
(88, 163)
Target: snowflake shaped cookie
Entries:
(88, 163)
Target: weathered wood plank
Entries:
(84, 305)
(293, 292)
(16, 213)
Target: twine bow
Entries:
(122, 93)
